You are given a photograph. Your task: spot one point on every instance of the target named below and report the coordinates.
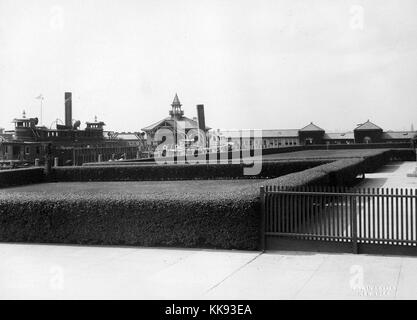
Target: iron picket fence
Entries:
(360, 216)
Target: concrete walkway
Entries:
(79, 272)
(392, 175)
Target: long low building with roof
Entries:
(244, 138)
(312, 134)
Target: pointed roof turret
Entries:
(176, 101)
(176, 108)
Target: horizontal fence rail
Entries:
(358, 217)
(84, 155)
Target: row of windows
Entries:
(37, 150)
(26, 150)
(265, 143)
(69, 134)
(279, 142)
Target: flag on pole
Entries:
(40, 97)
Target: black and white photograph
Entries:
(208, 155)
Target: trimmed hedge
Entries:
(374, 162)
(379, 145)
(176, 172)
(403, 155)
(15, 177)
(228, 220)
(235, 154)
(338, 173)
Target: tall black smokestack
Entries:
(201, 118)
(68, 109)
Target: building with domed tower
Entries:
(175, 121)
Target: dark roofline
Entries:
(101, 122)
(317, 128)
(358, 128)
(155, 124)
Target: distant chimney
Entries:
(201, 118)
(68, 109)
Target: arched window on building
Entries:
(367, 140)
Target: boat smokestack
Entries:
(201, 120)
(68, 109)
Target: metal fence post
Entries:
(48, 160)
(354, 224)
(263, 225)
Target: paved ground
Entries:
(72, 272)
(393, 175)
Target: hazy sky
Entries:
(253, 64)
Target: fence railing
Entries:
(380, 216)
(78, 156)
(84, 155)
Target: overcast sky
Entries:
(253, 64)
